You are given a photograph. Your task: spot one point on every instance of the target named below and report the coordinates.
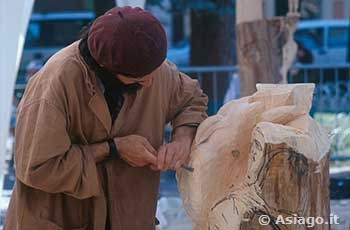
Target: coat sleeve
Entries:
(45, 158)
(188, 103)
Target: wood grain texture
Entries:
(290, 184)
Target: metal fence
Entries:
(220, 83)
(331, 102)
(332, 92)
(331, 105)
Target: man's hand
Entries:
(174, 154)
(136, 150)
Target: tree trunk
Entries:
(177, 26)
(265, 48)
(261, 46)
(213, 43)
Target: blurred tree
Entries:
(213, 42)
(178, 34)
(212, 39)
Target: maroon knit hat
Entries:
(128, 41)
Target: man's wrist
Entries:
(113, 150)
(184, 133)
(100, 151)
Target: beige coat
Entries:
(63, 110)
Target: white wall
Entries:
(14, 16)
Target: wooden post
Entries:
(265, 47)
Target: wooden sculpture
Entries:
(261, 154)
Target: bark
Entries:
(213, 43)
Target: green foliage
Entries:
(339, 127)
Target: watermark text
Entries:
(295, 219)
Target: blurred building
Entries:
(311, 9)
(180, 19)
(62, 5)
(335, 9)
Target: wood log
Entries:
(265, 47)
(265, 51)
(260, 155)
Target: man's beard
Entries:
(131, 88)
(115, 84)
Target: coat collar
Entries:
(99, 107)
(96, 101)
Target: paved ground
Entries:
(173, 217)
(341, 208)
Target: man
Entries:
(34, 66)
(90, 124)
